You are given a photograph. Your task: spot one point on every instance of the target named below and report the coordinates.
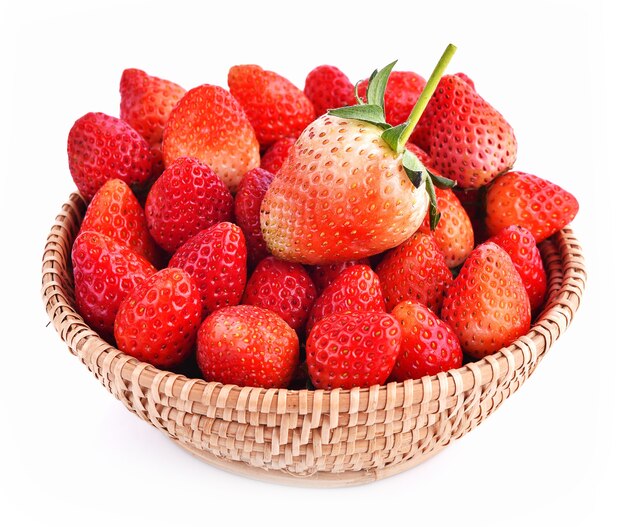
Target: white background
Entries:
(554, 452)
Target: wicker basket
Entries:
(305, 437)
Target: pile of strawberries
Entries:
(334, 237)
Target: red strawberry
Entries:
(520, 245)
(421, 135)
(328, 87)
(105, 271)
(428, 346)
(487, 305)
(216, 259)
(248, 200)
(100, 148)
(157, 322)
(324, 275)
(115, 211)
(415, 270)
(210, 125)
(247, 346)
(275, 107)
(282, 287)
(357, 288)
(454, 234)
(348, 350)
(187, 198)
(403, 90)
(517, 198)
(275, 155)
(146, 103)
(470, 142)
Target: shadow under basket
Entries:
(312, 437)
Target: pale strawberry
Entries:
(210, 125)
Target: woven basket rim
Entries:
(562, 303)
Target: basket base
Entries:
(319, 479)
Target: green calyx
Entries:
(373, 112)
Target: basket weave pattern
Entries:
(362, 434)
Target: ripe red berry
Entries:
(328, 87)
(428, 346)
(216, 260)
(100, 148)
(520, 245)
(348, 350)
(247, 346)
(282, 287)
(186, 199)
(357, 288)
(157, 322)
(105, 271)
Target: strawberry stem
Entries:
(425, 96)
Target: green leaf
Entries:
(370, 113)
(377, 85)
(391, 136)
(434, 214)
(414, 168)
(442, 182)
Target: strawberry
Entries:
(275, 107)
(348, 350)
(421, 135)
(115, 211)
(517, 198)
(357, 288)
(328, 87)
(248, 200)
(428, 345)
(282, 287)
(322, 208)
(403, 90)
(210, 125)
(247, 346)
(415, 270)
(349, 189)
(157, 322)
(487, 305)
(100, 148)
(324, 275)
(187, 198)
(520, 245)
(146, 103)
(454, 234)
(470, 142)
(216, 259)
(275, 155)
(105, 271)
